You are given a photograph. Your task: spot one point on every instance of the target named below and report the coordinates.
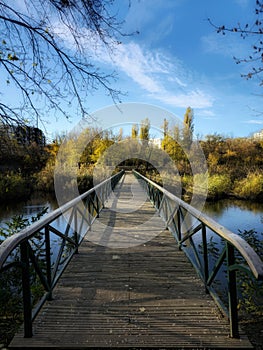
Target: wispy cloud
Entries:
(242, 3)
(208, 114)
(158, 14)
(166, 80)
(160, 76)
(254, 121)
(225, 45)
(194, 98)
(141, 67)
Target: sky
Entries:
(178, 60)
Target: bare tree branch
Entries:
(254, 29)
(47, 50)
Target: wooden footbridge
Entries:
(128, 268)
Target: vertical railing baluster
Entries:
(97, 205)
(205, 256)
(165, 210)
(28, 332)
(179, 226)
(75, 223)
(48, 262)
(89, 210)
(232, 291)
(103, 195)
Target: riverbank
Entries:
(212, 187)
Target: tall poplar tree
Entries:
(188, 127)
(145, 130)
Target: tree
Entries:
(188, 128)
(134, 131)
(252, 30)
(145, 130)
(101, 143)
(22, 148)
(165, 127)
(172, 144)
(47, 52)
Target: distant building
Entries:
(156, 142)
(258, 135)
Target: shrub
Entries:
(200, 184)
(85, 183)
(44, 180)
(219, 186)
(250, 187)
(187, 185)
(14, 186)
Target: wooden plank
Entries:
(145, 295)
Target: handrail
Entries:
(171, 209)
(80, 212)
(253, 260)
(11, 242)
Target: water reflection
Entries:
(236, 214)
(223, 204)
(28, 208)
(232, 213)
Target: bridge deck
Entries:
(120, 294)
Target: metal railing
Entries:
(191, 229)
(45, 248)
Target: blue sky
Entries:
(178, 60)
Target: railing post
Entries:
(232, 291)
(26, 290)
(205, 256)
(48, 262)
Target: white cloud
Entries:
(207, 114)
(161, 76)
(177, 80)
(139, 66)
(163, 79)
(225, 45)
(193, 98)
(254, 121)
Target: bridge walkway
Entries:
(134, 290)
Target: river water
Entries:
(29, 208)
(236, 214)
(233, 214)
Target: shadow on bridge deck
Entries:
(135, 290)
